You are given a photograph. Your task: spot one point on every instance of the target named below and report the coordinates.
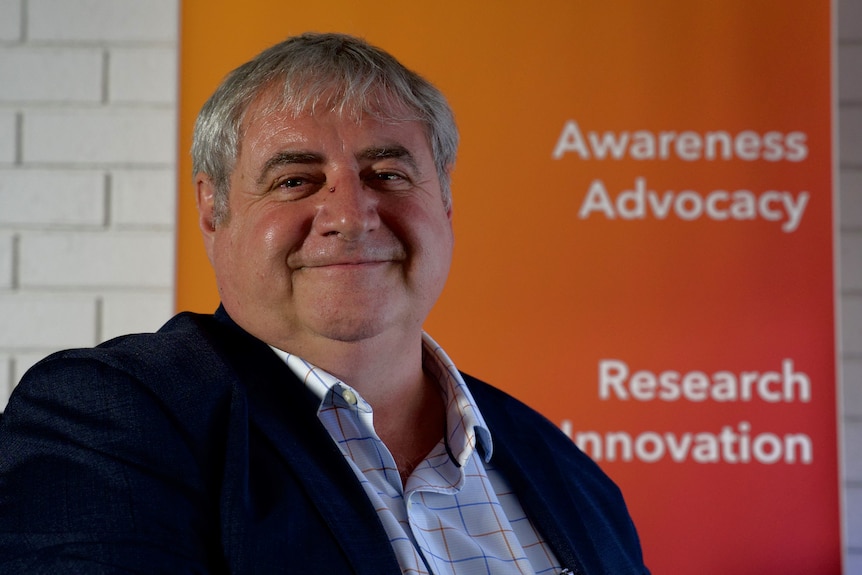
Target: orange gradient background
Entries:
(537, 297)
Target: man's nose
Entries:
(347, 209)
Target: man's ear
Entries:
(205, 198)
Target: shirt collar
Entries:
(465, 427)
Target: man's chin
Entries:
(350, 330)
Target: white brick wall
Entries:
(109, 135)
(112, 21)
(66, 198)
(87, 173)
(65, 74)
(7, 248)
(48, 321)
(87, 192)
(143, 198)
(10, 30)
(7, 136)
(132, 72)
(850, 221)
(94, 260)
(851, 198)
(850, 131)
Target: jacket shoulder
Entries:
(112, 451)
(183, 349)
(174, 376)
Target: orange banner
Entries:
(644, 242)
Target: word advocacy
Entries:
(688, 146)
(788, 385)
(640, 203)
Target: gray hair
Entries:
(343, 74)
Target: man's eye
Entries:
(387, 176)
(296, 187)
(388, 181)
(291, 182)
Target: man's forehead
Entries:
(377, 105)
(271, 123)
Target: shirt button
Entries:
(349, 396)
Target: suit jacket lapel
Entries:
(540, 493)
(558, 499)
(285, 412)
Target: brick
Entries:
(142, 75)
(52, 197)
(129, 136)
(850, 202)
(51, 74)
(851, 261)
(6, 258)
(850, 73)
(853, 515)
(10, 20)
(6, 383)
(53, 321)
(853, 451)
(851, 376)
(96, 259)
(143, 197)
(8, 136)
(850, 135)
(124, 313)
(853, 562)
(851, 324)
(849, 20)
(103, 20)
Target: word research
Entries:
(616, 381)
(640, 203)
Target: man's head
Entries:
(321, 173)
(316, 72)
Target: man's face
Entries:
(337, 229)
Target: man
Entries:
(309, 426)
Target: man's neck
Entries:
(409, 411)
(379, 368)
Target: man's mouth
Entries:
(346, 264)
(366, 258)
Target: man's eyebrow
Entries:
(287, 158)
(396, 151)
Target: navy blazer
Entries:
(196, 450)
